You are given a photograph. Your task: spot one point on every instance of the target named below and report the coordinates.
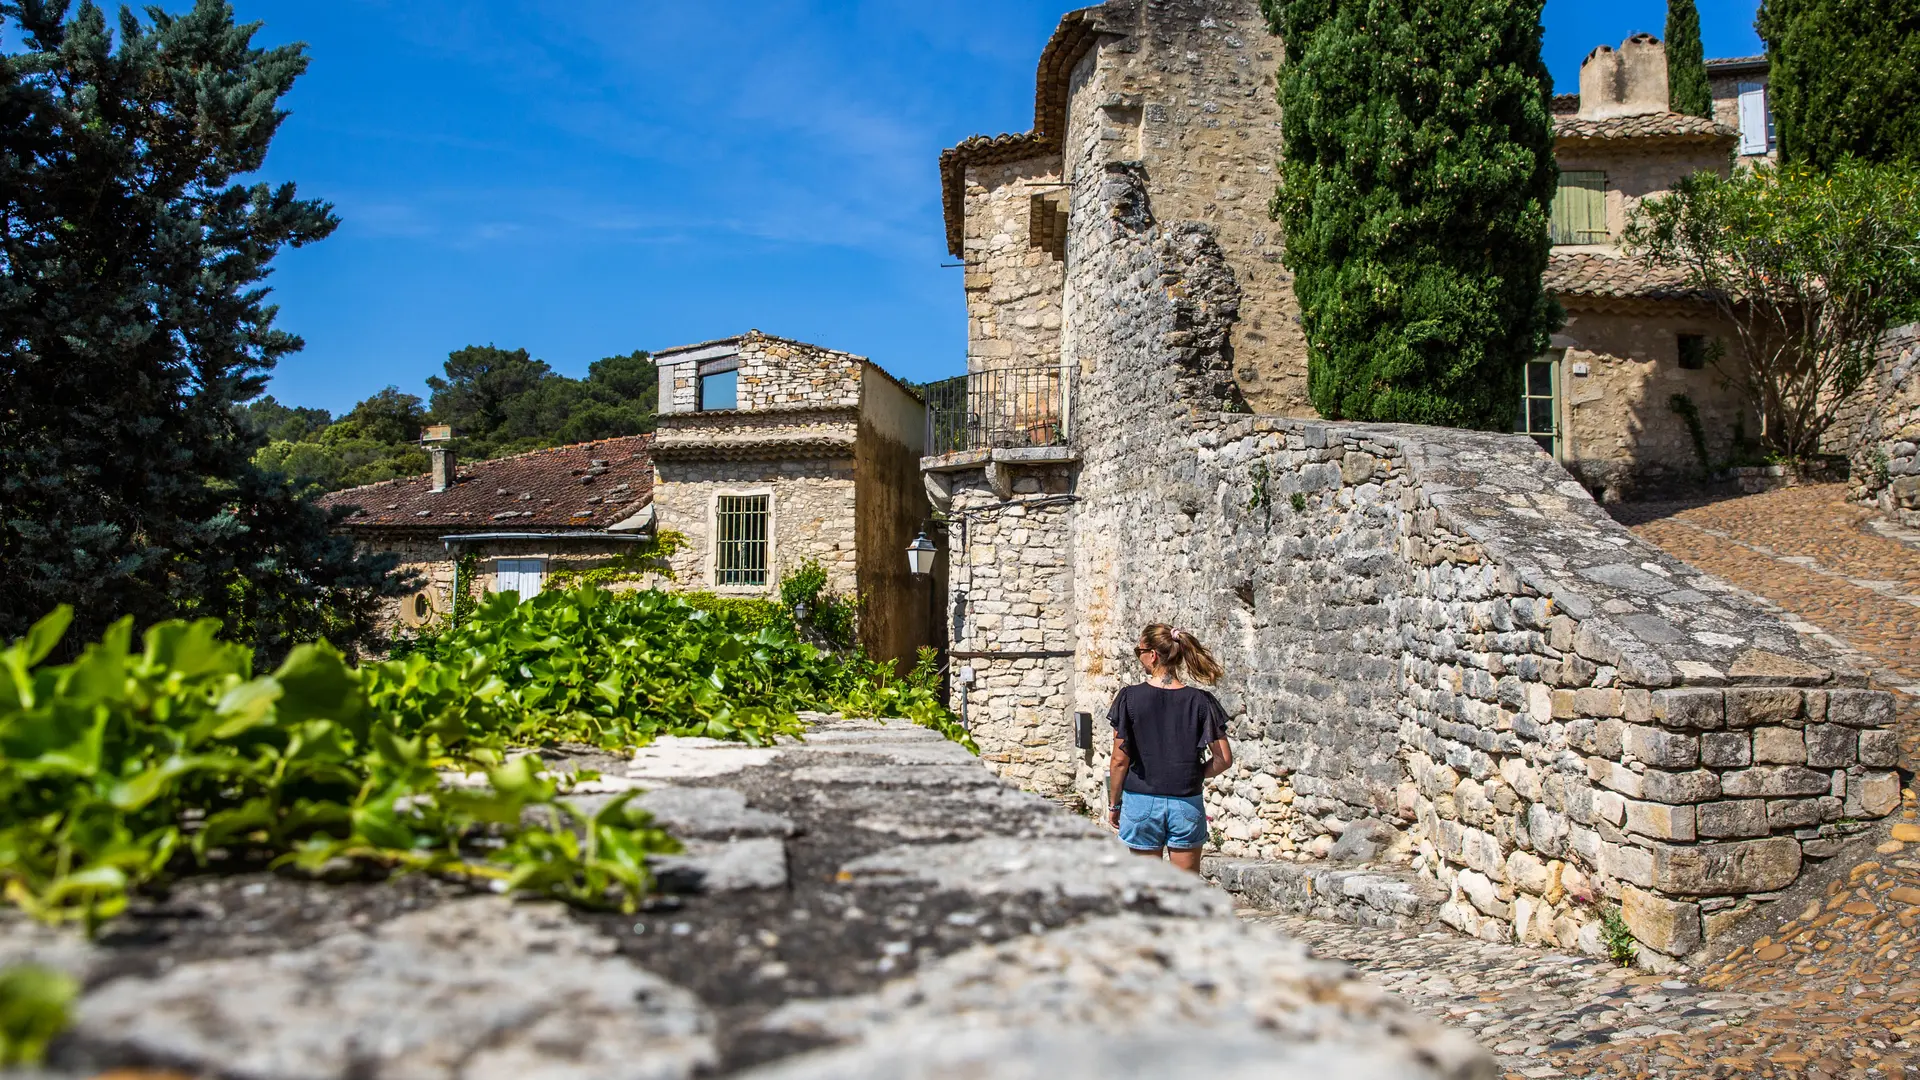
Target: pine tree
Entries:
(1417, 177)
(1688, 90)
(133, 320)
(1844, 79)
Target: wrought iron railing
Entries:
(996, 408)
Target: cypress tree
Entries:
(1844, 79)
(1688, 90)
(133, 318)
(1417, 177)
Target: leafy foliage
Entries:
(834, 617)
(1415, 191)
(34, 1007)
(498, 402)
(124, 764)
(1844, 79)
(750, 613)
(616, 669)
(133, 317)
(1688, 89)
(1810, 268)
(649, 557)
(1622, 947)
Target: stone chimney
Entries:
(443, 467)
(1628, 81)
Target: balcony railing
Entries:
(996, 408)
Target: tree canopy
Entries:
(498, 401)
(133, 317)
(1688, 89)
(1809, 267)
(1844, 78)
(1416, 184)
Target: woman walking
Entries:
(1168, 738)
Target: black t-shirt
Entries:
(1165, 733)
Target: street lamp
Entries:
(920, 555)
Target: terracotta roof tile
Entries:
(1593, 274)
(1663, 125)
(587, 485)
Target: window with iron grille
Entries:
(740, 539)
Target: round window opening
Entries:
(422, 607)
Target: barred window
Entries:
(740, 539)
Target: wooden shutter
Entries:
(1580, 209)
(1753, 119)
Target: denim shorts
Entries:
(1152, 822)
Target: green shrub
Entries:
(124, 765)
(750, 613)
(33, 1009)
(1622, 948)
(832, 616)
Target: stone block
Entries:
(1660, 821)
(1776, 781)
(1662, 747)
(1690, 707)
(1831, 746)
(1610, 807)
(1668, 926)
(1484, 894)
(1726, 749)
(1614, 776)
(1637, 706)
(1779, 746)
(1609, 738)
(1627, 863)
(1879, 746)
(1785, 814)
(1698, 785)
(1731, 818)
(1860, 708)
(1599, 704)
(1767, 705)
(1563, 705)
(1737, 866)
(1872, 794)
(1526, 872)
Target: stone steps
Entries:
(1389, 899)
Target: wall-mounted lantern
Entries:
(920, 555)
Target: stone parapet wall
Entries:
(1885, 464)
(1438, 630)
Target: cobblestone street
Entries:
(1834, 990)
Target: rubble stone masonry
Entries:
(1885, 429)
(1437, 634)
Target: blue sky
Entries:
(589, 178)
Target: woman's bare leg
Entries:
(1187, 859)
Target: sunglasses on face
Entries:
(1139, 651)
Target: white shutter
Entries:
(533, 575)
(1753, 118)
(506, 575)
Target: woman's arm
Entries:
(1222, 758)
(1116, 776)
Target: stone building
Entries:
(520, 518)
(771, 453)
(1433, 635)
(1187, 90)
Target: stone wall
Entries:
(813, 507)
(1009, 529)
(1013, 280)
(776, 373)
(1622, 435)
(428, 557)
(1885, 465)
(1436, 633)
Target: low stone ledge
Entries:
(868, 903)
(1389, 899)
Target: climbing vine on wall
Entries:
(650, 557)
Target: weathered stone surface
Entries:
(1147, 986)
(440, 993)
(1758, 707)
(709, 813)
(1663, 748)
(724, 866)
(1660, 821)
(1070, 868)
(1399, 900)
(1833, 746)
(1860, 708)
(1725, 749)
(1779, 746)
(1697, 785)
(1740, 866)
(1670, 926)
(1880, 747)
(673, 757)
(1731, 818)
(1773, 781)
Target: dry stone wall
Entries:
(1885, 461)
(1435, 636)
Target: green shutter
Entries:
(1580, 209)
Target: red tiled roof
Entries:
(1592, 274)
(584, 486)
(1669, 126)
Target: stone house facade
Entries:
(1433, 633)
(771, 453)
(521, 518)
